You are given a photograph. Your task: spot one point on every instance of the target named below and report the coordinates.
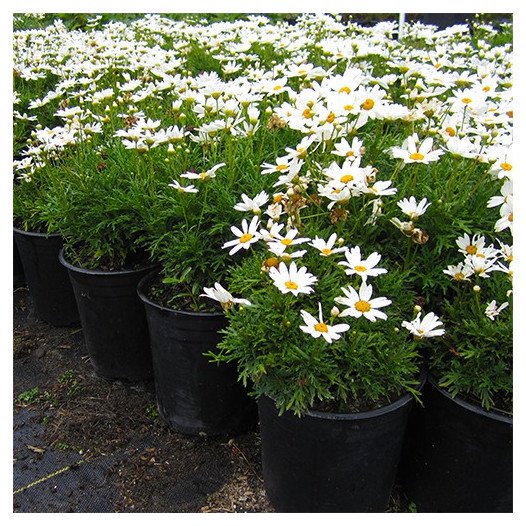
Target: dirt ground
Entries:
(84, 444)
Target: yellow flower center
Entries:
(486, 88)
(471, 249)
(348, 107)
(245, 237)
(345, 89)
(362, 306)
(291, 285)
(510, 218)
(417, 156)
(331, 117)
(346, 178)
(466, 100)
(277, 198)
(285, 241)
(368, 104)
(506, 166)
(459, 276)
(360, 268)
(326, 251)
(510, 114)
(451, 131)
(350, 153)
(277, 87)
(300, 150)
(307, 113)
(321, 327)
(281, 167)
(203, 175)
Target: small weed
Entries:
(152, 412)
(69, 380)
(49, 399)
(411, 508)
(28, 397)
(62, 446)
(45, 420)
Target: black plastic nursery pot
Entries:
(47, 280)
(113, 321)
(193, 394)
(330, 462)
(459, 458)
(19, 278)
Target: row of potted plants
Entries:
(296, 218)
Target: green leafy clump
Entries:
(372, 364)
(476, 360)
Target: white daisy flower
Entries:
(506, 194)
(293, 280)
(411, 208)
(360, 303)
(363, 267)
(245, 237)
(350, 151)
(471, 246)
(492, 310)
(280, 243)
(482, 266)
(409, 152)
(506, 219)
(220, 294)
(460, 272)
(208, 174)
(381, 188)
(326, 248)
(317, 327)
(252, 205)
(190, 189)
(426, 327)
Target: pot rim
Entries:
(96, 272)
(361, 415)
(494, 415)
(35, 234)
(142, 289)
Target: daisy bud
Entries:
(290, 192)
(166, 160)
(476, 289)
(396, 329)
(417, 308)
(268, 111)
(335, 311)
(171, 149)
(509, 293)
(340, 241)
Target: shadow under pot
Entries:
(193, 394)
(47, 280)
(113, 321)
(459, 458)
(331, 462)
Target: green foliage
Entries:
(372, 364)
(29, 396)
(476, 361)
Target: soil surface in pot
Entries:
(84, 444)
